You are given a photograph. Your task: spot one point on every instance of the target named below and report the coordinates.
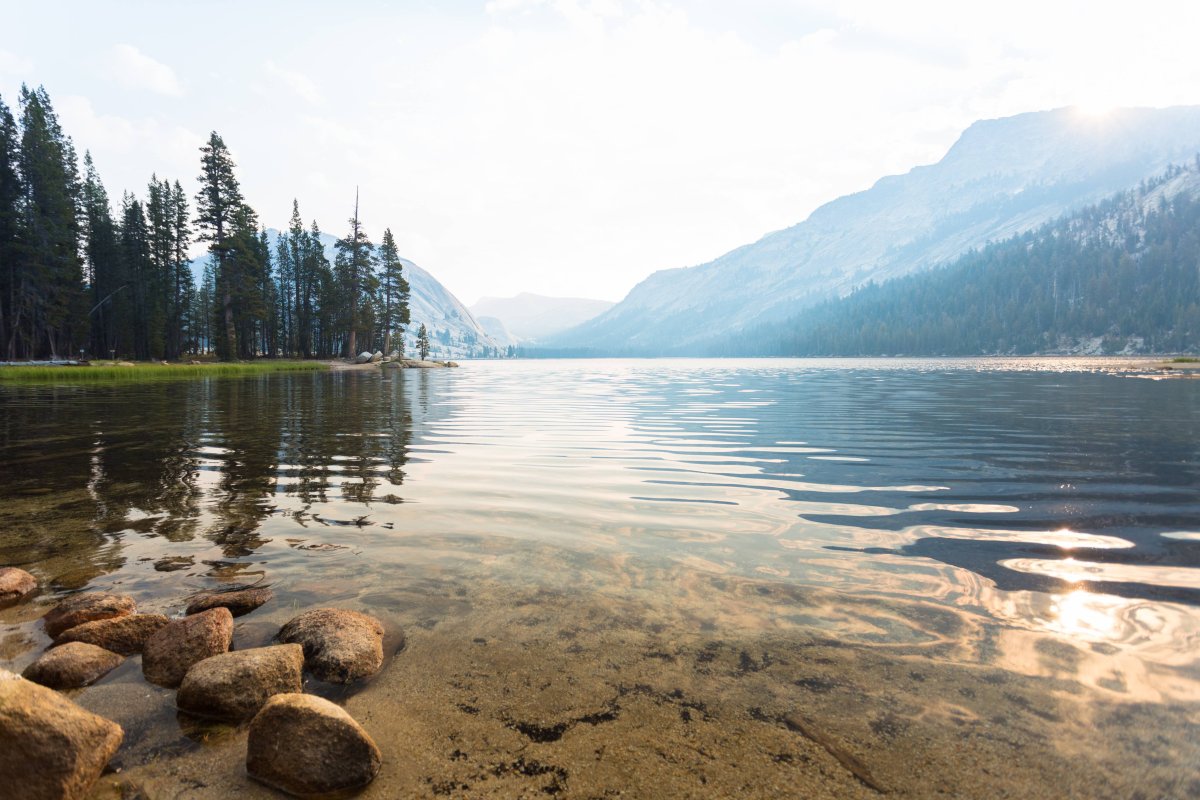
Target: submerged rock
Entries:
(172, 651)
(50, 748)
(124, 635)
(72, 665)
(87, 607)
(15, 584)
(305, 745)
(236, 685)
(239, 602)
(339, 646)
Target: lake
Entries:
(660, 577)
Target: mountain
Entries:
(1117, 277)
(495, 328)
(453, 330)
(534, 317)
(1002, 177)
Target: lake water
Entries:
(664, 577)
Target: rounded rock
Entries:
(49, 747)
(236, 685)
(305, 745)
(172, 651)
(15, 584)
(240, 602)
(124, 635)
(339, 646)
(87, 607)
(72, 665)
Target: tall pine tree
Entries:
(393, 288)
(219, 206)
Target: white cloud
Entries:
(15, 65)
(134, 69)
(297, 83)
(128, 151)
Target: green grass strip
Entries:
(107, 373)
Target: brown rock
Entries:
(305, 745)
(339, 646)
(124, 635)
(86, 608)
(236, 685)
(172, 651)
(238, 603)
(50, 748)
(15, 584)
(73, 665)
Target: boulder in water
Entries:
(72, 665)
(87, 607)
(171, 652)
(240, 602)
(15, 584)
(124, 635)
(339, 646)
(237, 684)
(50, 748)
(306, 745)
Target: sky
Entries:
(572, 147)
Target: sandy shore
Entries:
(527, 692)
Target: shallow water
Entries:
(577, 547)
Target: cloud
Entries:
(128, 150)
(297, 83)
(133, 69)
(13, 64)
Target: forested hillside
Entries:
(77, 276)
(1120, 276)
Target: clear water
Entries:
(979, 509)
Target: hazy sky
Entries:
(564, 146)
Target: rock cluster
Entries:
(301, 744)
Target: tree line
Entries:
(78, 276)
(1122, 274)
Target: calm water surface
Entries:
(1029, 501)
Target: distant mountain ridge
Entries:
(1119, 277)
(1002, 177)
(453, 330)
(529, 317)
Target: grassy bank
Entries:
(109, 372)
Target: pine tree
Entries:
(355, 272)
(10, 196)
(218, 207)
(423, 342)
(104, 271)
(394, 290)
(47, 308)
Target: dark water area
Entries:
(1039, 517)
